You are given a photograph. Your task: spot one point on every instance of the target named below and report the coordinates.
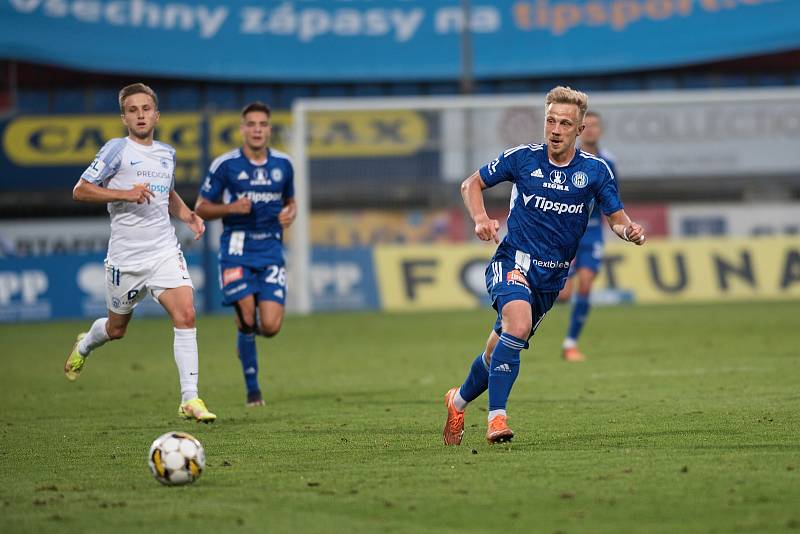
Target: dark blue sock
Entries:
(246, 343)
(504, 370)
(580, 311)
(477, 380)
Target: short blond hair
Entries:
(568, 95)
(135, 89)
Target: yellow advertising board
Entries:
(73, 140)
(335, 134)
(707, 269)
(663, 271)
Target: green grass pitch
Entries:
(685, 419)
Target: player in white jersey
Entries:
(135, 177)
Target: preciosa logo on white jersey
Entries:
(548, 205)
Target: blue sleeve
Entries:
(502, 169)
(288, 188)
(106, 163)
(214, 183)
(613, 168)
(607, 194)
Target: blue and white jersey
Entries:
(254, 239)
(140, 233)
(550, 208)
(594, 230)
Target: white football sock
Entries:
(185, 346)
(495, 413)
(459, 402)
(569, 343)
(96, 337)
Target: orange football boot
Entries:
(454, 426)
(498, 431)
(572, 354)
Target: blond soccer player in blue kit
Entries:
(555, 188)
(134, 176)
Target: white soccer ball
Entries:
(176, 458)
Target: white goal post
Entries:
(645, 130)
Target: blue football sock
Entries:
(504, 370)
(477, 380)
(246, 343)
(580, 311)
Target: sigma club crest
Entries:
(579, 179)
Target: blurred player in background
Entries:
(554, 187)
(252, 190)
(135, 177)
(590, 250)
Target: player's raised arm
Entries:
(626, 229)
(85, 191)
(472, 193)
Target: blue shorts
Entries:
(239, 281)
(589, 256)
(506, 283)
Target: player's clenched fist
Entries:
(287, 215)
(241, 206)
(486, 229)
(634, 232)
(140, 193)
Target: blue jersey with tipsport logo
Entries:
(254, 239)
(550, 208)
(594, 230)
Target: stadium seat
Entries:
(104, 100)
(291, 92)
(442, 88)
(405, 89)
(332, 90)
(264, 93)
(515, 86)
(70, 101)
(222, 97)
(770, 80)
(181, 98)
(660, 81)
(369, 89)
(33, 100)
(589, 84)
(543, 85)
(696, 80)
(485, 88)
(625, 83)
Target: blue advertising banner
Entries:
(386, 39)
(63, 286)
(69, 286)
(343, 279)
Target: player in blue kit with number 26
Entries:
(252, 190)
(555, 188)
